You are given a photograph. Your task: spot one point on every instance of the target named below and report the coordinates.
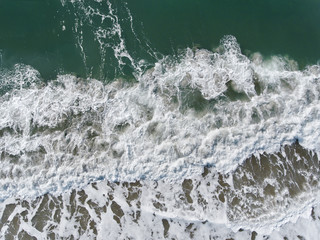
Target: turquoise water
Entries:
(32, 32)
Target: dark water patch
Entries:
(192, 99)
(187, 187)
(166, 227)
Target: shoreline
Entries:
(211, 201)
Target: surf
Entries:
(207, 108)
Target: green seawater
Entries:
(61, 36)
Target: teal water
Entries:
(54, 36)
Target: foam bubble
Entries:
(20, 76)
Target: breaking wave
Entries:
(204, 108)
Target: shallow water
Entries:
(258, 199)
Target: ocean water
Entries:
(159, 119)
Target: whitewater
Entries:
(203, 143)
(70, 132)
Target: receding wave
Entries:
(271, 195)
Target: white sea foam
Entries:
(100, 23)
(148, 210)
(73, 131)
(20, 76)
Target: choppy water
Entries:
(153, 120)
